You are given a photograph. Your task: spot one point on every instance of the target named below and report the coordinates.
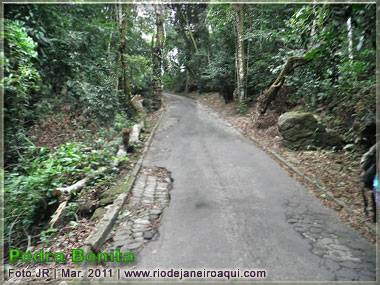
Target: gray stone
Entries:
(347, 273)
(300, 228)
(318, 251)
(159, 196)
(154, 217)
(340, 258)
(149, 195)
(137, 194)
(155, 211)
(139, 186)
(325, 241)
(150, 187)
(315, 230)
(162, 199)
(339, 247)
(367, 273)
(366, 278)
(142, 221)
(120, 243)
(337, 253)
(125, 233)
(297, 217)
(369, 266)
(133, 245)
(348, 264)
(148, 235)
(161, 185)
(315, 236)
(86, 207)
(345, 279)
(134, 200)
(139, 239)
(99, 213)
(137, 234)
(139, 228)
(303, 129)
(332, 265)
(346, 242)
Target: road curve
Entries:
(233, 207)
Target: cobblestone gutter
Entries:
(96, 240)
(139, 219)
(348, 258)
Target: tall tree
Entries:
(240, 53)
(124, 11)
(157, 56)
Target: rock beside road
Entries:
(303, 130)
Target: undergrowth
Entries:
(48, 163)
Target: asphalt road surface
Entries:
(232, 206)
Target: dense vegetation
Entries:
(71, 70)
(339, 80)
(65, 104)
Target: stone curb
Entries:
(303, 176)
(95, 241)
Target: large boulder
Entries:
(303, 130)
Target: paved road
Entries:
(232, 207)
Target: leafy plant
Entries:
(242, 108)
(28, 188)
(21, 80)
(46, 235)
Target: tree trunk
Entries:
(123, 29)
(139, 110)
(187, 82)
(246, 70)
(350, 40)
(239, 21)
(312, 32)
(268, 96)
(157, 56)
(134, 135)
(117, 55)
(190, 32)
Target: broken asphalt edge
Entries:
(94, 242)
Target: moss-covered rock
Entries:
(108, 196)
(304, 130)
(99, 213)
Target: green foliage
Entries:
(70, 211)
(265, 43)
(120, 122)
(242, 108)
(46, 235)
(186, 62)
(21, 81)
(338, 80)
(220, 72)
(62, 79)
(28, 188)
